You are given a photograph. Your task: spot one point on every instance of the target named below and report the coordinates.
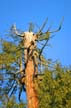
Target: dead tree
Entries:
(31, 54)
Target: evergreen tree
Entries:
(20, 59)
(55, 88)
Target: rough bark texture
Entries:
(29, 44)
(30, 86)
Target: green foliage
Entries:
(55, 92)
(9, 65)
(11, 103)
(11, 55)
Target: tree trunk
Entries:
(29, 43)
(30, 86)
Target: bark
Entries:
(30, 86)
(31, 92)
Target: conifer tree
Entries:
(21, 62)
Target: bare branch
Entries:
(59, 28)
(40, 30)
(15, 31)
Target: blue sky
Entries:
(22, 12)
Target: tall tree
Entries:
(21, 59)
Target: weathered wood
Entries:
(31, 92)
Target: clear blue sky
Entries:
(22, 12)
